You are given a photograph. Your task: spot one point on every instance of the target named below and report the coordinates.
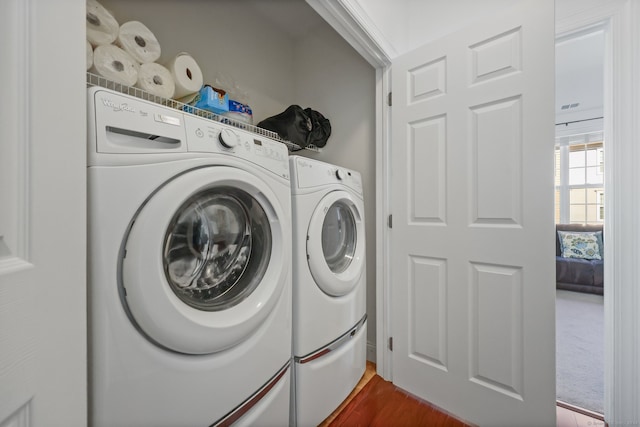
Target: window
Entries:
(579, 179)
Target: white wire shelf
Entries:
(96, 80)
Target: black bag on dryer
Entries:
(320, 128)
(293, 125)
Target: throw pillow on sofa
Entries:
(585, 245)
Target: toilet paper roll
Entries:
(156, 79)
(138, 41)
(89, 55)
(115, 64)
(186, 75)
(102, 27)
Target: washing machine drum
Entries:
(204, 264)
(216, 249)
(335, 243)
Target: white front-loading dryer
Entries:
(329, 287)
(189, 269)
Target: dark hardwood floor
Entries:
(380, 403)
(376, 402)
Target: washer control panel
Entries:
(228, 138)
(123, 124)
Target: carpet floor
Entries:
(580, 349)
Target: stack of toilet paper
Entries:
(102, 27)
(127, 54)
(187, 76)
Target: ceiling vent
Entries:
(568, 106)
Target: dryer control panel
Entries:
(310, 173)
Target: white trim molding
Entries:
(355, 26)
(383, 212)
(622, 271)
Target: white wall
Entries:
(226, 39)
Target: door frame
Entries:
(619, 18)
(622, 18)
(353, 24)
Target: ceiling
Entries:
(580, 76)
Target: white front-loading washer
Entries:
(189, 269)
(329, 287)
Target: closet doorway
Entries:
(580, 217)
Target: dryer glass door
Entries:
(335, 243)
(217, 248)
(339, 237)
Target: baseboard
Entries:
(371, 352)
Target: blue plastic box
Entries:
(210, 100)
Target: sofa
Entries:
(579, 274)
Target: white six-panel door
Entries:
(472, 273)
(43, 371)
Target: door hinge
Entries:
(391, 343)
(390, 221)
(389, 100)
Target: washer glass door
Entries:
(217, 248)
(335, 243)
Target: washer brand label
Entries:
(118, 107)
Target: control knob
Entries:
(339, 174)
(228, 138)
